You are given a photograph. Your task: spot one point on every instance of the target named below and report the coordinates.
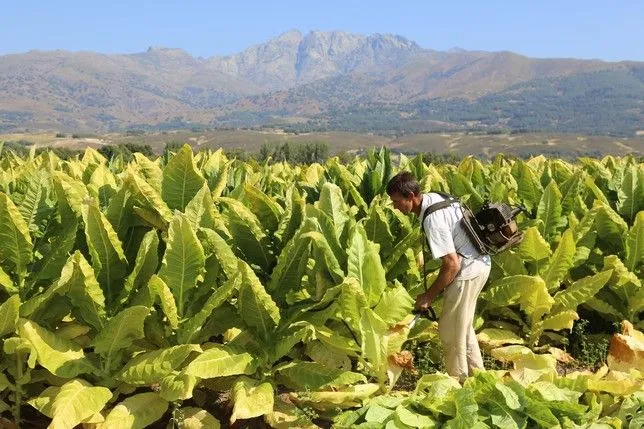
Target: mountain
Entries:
(319, 79)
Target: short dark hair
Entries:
(404, 184)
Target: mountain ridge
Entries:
(293, 75)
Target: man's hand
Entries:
(423, 301)
(449, 269)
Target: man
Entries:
(462, 274)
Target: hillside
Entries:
(329, 80)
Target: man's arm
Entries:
(448, 271)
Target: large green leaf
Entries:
(120, 331)
(630, 195)
(291, 267)
(177, 387)
(181, 180)
(332, 203)
(549, 211)
(200, 210)
(9, 315)
(58, 355)
(364, 264)
(119, 210)
(528, 291)
(345, 183)
(288, 339)
(78, 284)
(394, 304)
(410, 240)
(157, 288)
(345, 397)
(55, 252)
(498, 401)
(580, 291)
(352, 301)
(534, 247)
(466, 416)
(221, 361)
(538, 411)
(6, 283)
(570, 190)
(251, 398)
(314, 376)
(560, 262)
(71, 194)
(560, 320)
(216, 247)
(183, 261)
(610, 226)
(146, 197)
(461, 186)
(317, 220)
(529, 190)
(151, 367)
(106, 251)
(266, 209)
(248, 236)
(16, 247)
(256, 307)
(507, 263)
(135, 412)
(33, 207)
(196, 418)
(191, 327)
(378, 231)
(150, 170)
(145, 265)
(295, 217)
(373, 339)
(76, 401)
(635, 244)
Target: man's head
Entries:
(404, 191)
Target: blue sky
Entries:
(608, 30)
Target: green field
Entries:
(197, 291)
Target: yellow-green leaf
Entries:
(58, 355)
(364, 264)
(635, 243)
(256, 307)
(580, 291)
(16, 246)
(251, 398)
(135, 412)
(181, 180)
(76, 401)
(120, 331)
(196, 418)
(183, 261)
(151, 367)
(534, 247)
(9, 315)
(560, 262)
(106, 251)
(220, 361)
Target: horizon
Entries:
(576, 29)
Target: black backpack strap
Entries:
(447, 202)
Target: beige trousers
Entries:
(462, 353)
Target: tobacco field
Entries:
(198, 291)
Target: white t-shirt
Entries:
(446, 235)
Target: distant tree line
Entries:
(295, 153)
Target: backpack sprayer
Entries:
(492, 230)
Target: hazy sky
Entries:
(609, 30)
